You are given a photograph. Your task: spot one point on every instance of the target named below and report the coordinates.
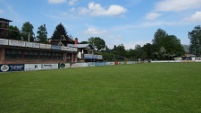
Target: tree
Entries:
(140, 53)
(158, 35)
(14, 33)
(42, 34)
(170, 43)
(148, 49)
(27, 32)
(98, 42)
(172, 46)
(84, 42)
(120, 50)
(195, 40)
(60, 32)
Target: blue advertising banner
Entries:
(100, 63)
(54, 47)
(11, 67)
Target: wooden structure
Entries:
(4, 27)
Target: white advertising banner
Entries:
(130, 62)
(35, 45)
(67, 65)
(79, 65)
(29, 44)
(109, 63)
(3, 41)
(65, 48)
(29, 67)
(90, 64)
(49, 66)
(121, 63)
(45, 46)
(17, 43)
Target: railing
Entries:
(20, 43)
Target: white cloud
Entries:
(176, 5)
(56, 1)
(72, 2)
(1, 11)
(196, 17)
(97, 10)
(94, 31)
(152, 16)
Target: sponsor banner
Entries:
(3, 41)
(120, 63)
(165, 61)
(79, 65)
(100, 63)
(28, 67)
(88, 56)
(100, 57)
(35, 45)
(12, 67)
(54, 47)
(49, 66)
(109, 63)
(17, 43)
(45, 46)
(29, 44)
(67, 65)
(65, 48)
(90, 64)
(130, 62)
(61, 65)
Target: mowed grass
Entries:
(138, 88)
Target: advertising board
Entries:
(17, 43)
(121, 63)
(45, 46)
(100, 63)
(11, 67)
(65, 48)
(3, 41)
(109, 63)
(54, 47)
(35, 45)
(49, 66)
(29, 44)
(79, 65)
(90, 64)
(29, 67)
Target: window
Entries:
(57, 56)
(44, 55)
(30, 55)
(13, 54)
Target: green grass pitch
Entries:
(137, 88)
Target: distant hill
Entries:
(186, 48)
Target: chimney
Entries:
(76, 41)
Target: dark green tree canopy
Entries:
(84, 42)
(42, 34)
(98, 42)
(27, 32)
(60, 32)
(14, 33)
(195, 40)
(158, 35)
(172, 45)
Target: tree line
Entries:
(163, 46)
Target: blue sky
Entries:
(127, 22)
